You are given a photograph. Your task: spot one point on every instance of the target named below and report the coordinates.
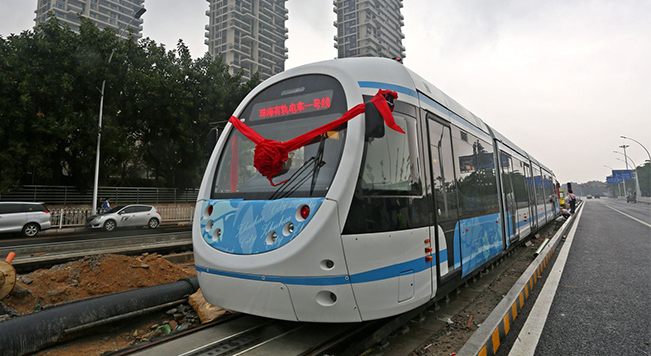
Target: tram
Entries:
(304, 216)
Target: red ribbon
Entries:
(269, 155)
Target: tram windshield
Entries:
(282, 112)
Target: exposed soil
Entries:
(97, 275)
(458, 330)
(90, 277)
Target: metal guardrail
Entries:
(69, 217)
(66, 195)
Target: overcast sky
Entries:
(563, 79)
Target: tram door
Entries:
(510, 207)
(532, 197)
(446, 206)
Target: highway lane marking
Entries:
(623, 213)
(529, 336)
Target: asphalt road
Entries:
(15, 239)
(603, 302)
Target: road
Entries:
(15, 239)
(602, 302)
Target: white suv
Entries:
(30, 218)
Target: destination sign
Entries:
(301, 104)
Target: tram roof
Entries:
(393, 73)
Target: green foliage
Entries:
(644, 176)
(158, 104)
(597, 187)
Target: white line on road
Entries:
(623, 213)
(527, 340)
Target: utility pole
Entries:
(626, 162)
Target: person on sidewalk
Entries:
(572, 199)
(99, 206)
(106, 206)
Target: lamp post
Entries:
(637, 181)
(627, 158)
(137, 15)
(647, 151)
(625, 162)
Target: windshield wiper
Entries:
(294, 181)
(318, 162)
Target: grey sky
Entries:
(563, 79)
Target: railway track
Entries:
(250, 335)
(32, 257)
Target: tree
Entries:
(157, 108)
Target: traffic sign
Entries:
(623, 174)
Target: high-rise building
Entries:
(369, 28)
(249, 35)
(116, 14)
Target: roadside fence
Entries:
(66, 195)
(75, 217)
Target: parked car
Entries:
(30, 218)
(125, 215)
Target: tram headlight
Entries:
(303, 213)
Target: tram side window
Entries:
(391, 162)
(519, 184)
(549, 191)
(388, 195)
(540, 195)
(443, 173)
(506, 164)
(476, 175)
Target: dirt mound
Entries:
(90, 277)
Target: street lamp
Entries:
(627, 158)
(101, 107)
(625, 162)
(647, 151)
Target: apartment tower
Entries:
(116, 14)
(249, 35)
(369, 28)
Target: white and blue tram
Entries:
(364, 222)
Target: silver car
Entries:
(125, 215)
(30, 218)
